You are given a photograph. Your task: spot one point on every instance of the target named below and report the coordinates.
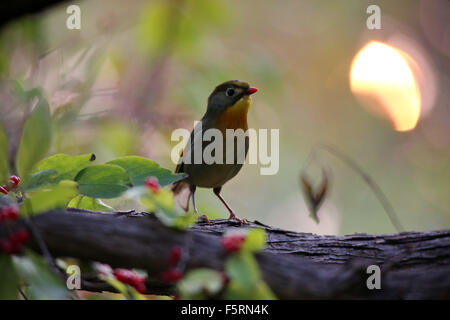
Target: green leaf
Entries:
(235, 291)
(8, 279)
(184, 220)
(243, 268)
(83, 202)
(245, 276)
(200, 284)
(102, 181)
(163, 205)
(36, 138)
(39, 180)
(43, 284)
(255, 240)
(263, 292)
(4, 167)
(66, 166)
(54, 197)
(102, 296)
(139, 169)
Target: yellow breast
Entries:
(235, 117)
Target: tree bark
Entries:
(414, 265)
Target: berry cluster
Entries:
(12, 184)
(131, 278)
(12, 244)
(153, 184)
(233, 242)
(172, 274)
(10, 212)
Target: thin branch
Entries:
(24, 296)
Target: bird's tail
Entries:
(182, 194)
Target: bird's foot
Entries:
(233, 217)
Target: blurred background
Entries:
(137, 70)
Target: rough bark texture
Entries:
(295, 265)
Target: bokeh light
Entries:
(383, 80)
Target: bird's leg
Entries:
(203, 216)
(232, 215)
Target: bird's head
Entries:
(232, 97)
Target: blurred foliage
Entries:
(86, 203)
(52, 197)
(42, 284)
(36, 138)
(117, 139)
(4, 167)
(8, 289)
(200, 284)
(162, 203)
(242, 269)
(180, 26)
(243, 277)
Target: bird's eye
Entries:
(229, 92)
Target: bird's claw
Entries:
(233, 217)
(204, 218)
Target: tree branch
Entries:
(294, 265)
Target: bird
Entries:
(227, 108)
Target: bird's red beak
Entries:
(252, 90)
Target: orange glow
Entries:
(381, 77)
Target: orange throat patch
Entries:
(235, 117)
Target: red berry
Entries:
(153, 184)
(131, 278)
(140, 287)
(233, 243)
(2, 215)
(11, 212)
(175, 255)
(10, 247)
(21, 236)
(171, 275)
(14, 180)
(4, 189)
(123, 275)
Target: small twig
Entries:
(41, 243)
(43, 247)
(24, 296)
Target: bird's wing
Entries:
(180, 188)
(195, 141)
